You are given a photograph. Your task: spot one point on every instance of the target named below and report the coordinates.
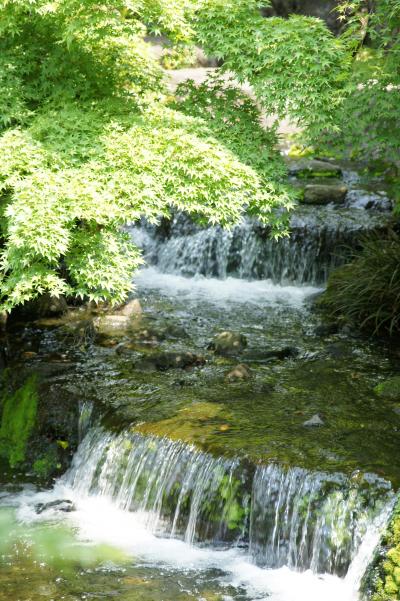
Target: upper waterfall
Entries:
(319, 241)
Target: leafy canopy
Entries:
(368, 119)
(89, 141)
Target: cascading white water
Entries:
(284, 517)
(317, 244)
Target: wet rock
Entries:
(45, 306)
(82, 329)
(240, 372)
(228, 343)
(175, 331)
(326, 329)
(171, 360)
(51, 306)
(62, 505)
(3, 321)
(363, 199)
(322, 194)
(132, 308)
(28, 355)
(112, 325)
(148, 336)
(260, 356)
(389, 390)
(313, 168)
(338, 350)
(314, 421)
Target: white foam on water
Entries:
(98, 520)
(223, 292)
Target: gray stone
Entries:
(64, 505)
(364, 199)
(314, 421)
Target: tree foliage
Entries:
(369, 118)
(89, 143)
(296, 67)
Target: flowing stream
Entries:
(219, 491)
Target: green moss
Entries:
(17, 421)
(47, 464)
(389, 389)
(297, 151)
(309, 173)
(387, 585)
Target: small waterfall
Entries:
(309, 519)
(285, 517)
(319, 241)
(183, 492)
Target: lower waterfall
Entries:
(276, 517)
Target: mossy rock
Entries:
(385, 574)
(389, 390)
(18, 418)
(312, 168)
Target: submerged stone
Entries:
(228, 343)
(261, 356)
(171, 360)
(326, 329)
(240, 372)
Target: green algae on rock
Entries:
(19, 410)
(382, 580)
(389, 389)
